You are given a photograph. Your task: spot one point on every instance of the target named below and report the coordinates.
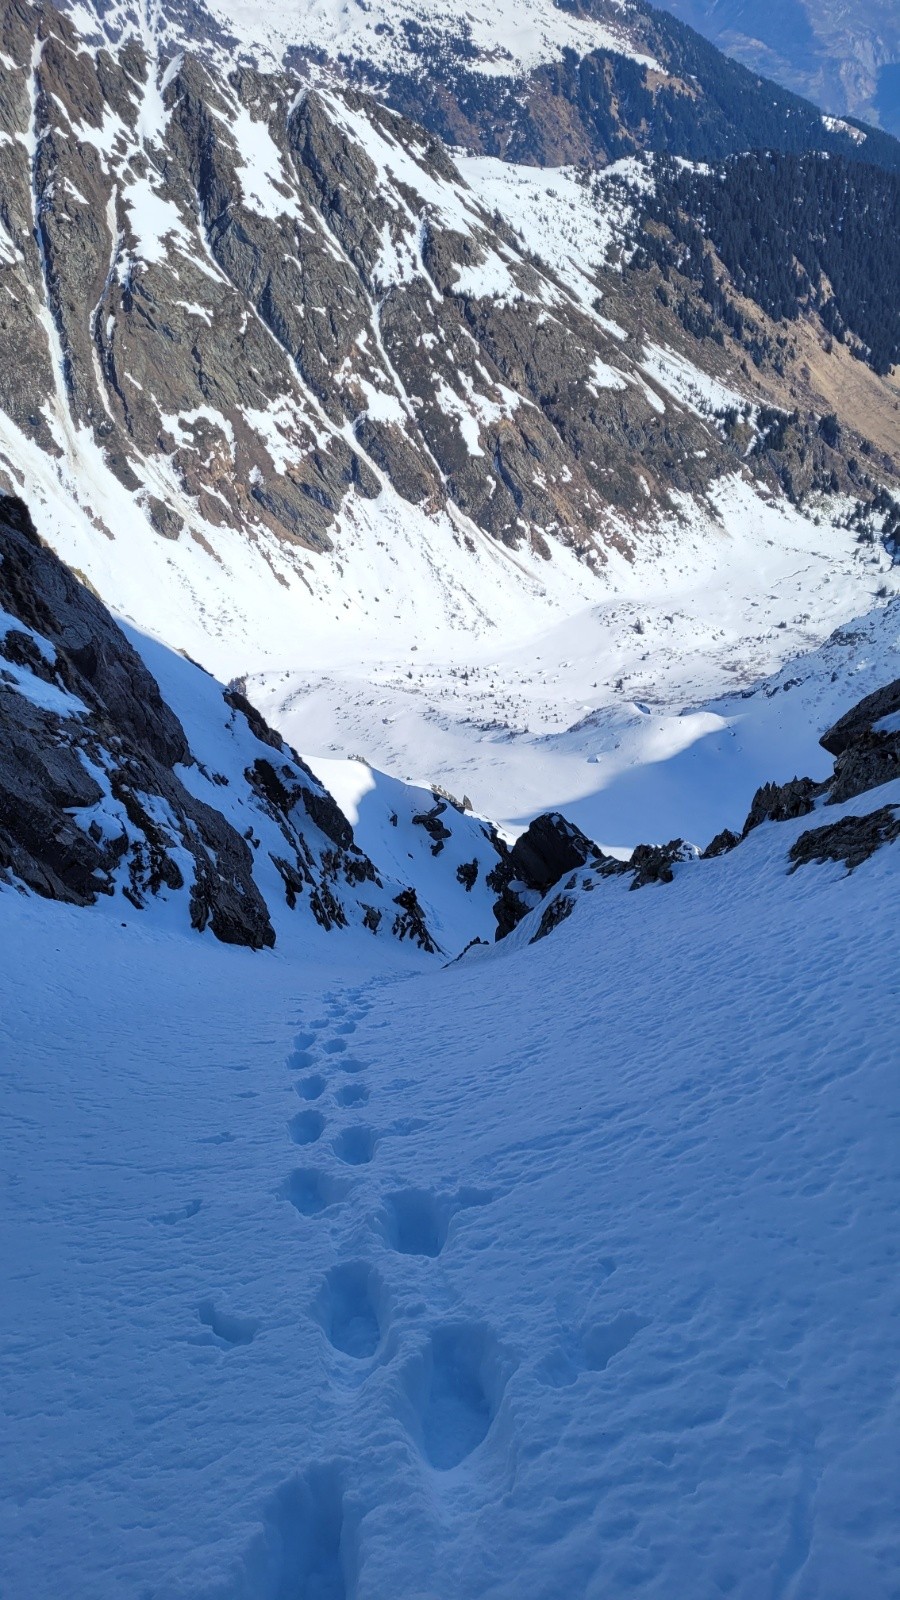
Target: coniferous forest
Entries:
(794, 232)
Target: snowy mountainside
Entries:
(569, 1264)
(843, 57)
(658, 710)
(129, 776)
(530, 79)
(273, 365)
(426, 837)
(131, 789)
(852, 813)
(502, 39)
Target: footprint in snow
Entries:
(306, 1127)
(416, 1221)
(311, 1191)
(352, 1094)
(454, 1388)
(311, 1088)
(355, 1146)
(300, 1059)
(225, 1327)
(305, 1547)
(352, 1308)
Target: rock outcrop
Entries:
(550, 847)
(89, 795)
(866, 744)
(852, 840)
(101, 793)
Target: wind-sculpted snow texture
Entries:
(566, 1269)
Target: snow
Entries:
(47, 696)
(342, 1272)
(156, 224)
(260, 170)
(381, 810)
(837, 125)
(327, 636)
(606, 377)
(567, 1266)
(572, 224)
(704, 631)
(510, 37)
(489, 279)
(381, 406)
(702, 393)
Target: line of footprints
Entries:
(454, 1383)
(457, 1386)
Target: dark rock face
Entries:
(861, 718)
(118, 728)
(550, 847)
(653, 863)
(852, 840)
(779, 802)
(866, 754)
(872, 760)
(721, 844)
(437, 830)
(559, 909)
(92, 798)
(409, 922)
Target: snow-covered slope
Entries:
(657, 711)
(567, 1269)
(132, 780)
(245, 412)
(498, 37)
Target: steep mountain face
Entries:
(845, 58)
(268, 353)
(107, 792)
(264, 276)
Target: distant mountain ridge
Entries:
(845, 58)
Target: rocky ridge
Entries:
(101, 793)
